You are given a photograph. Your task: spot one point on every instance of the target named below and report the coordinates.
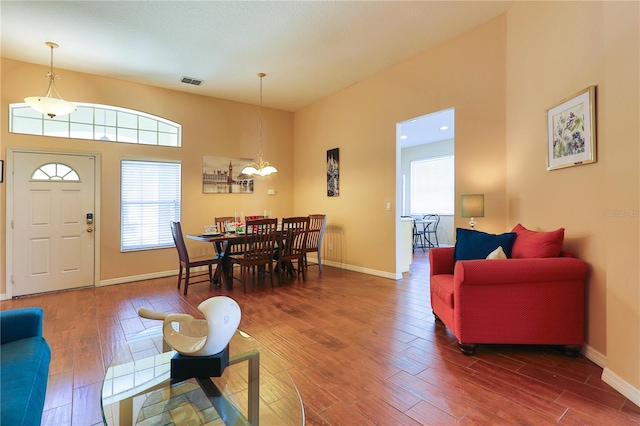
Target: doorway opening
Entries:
(425, 179)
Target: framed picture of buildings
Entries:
(571, 131)
(333, 172)
(222, 175)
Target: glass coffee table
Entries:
(255, 388)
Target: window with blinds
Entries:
(432, 186)
(150, 201)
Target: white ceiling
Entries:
(308, 49)
(428, 128)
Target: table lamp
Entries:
(472, 205)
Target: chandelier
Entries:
(259, 166)
(48, 104)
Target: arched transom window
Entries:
(97, 122)
(55, 171)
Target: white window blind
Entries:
(150, 201)
(432, 186)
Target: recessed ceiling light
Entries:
(414, 120)
(404, 137)
(444, 127)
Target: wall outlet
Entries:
(330, 247)
(388, 207)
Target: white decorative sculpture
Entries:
(222, 317)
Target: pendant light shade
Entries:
(259, 166)
(51, 103)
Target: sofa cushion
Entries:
(472, 244)
(532, 244)
(442, 287)
(24, 369)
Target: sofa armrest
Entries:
(513, 271)
(441, 260)
(21, 323)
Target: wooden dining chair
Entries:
(220, 222)
(314, 238)
(186, 262)
(292, 245)
(257, 248)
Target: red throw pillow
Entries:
(537, 244)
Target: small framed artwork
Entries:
(222, 175)
(571, 131)
(333, 172)
(1, 170)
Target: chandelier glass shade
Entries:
(259, 166)
(51, 103)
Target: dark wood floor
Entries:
(362, 350)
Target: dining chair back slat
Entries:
(315, 232)
(221, 222)
(292, 245)
(257, 247)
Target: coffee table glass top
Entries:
(255, 388)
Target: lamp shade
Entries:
(472, 205)
(50, 106)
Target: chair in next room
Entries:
(431, 230)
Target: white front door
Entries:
(52, 221)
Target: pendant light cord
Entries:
(261, 75)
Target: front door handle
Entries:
(89, 229)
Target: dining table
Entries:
(224, 243)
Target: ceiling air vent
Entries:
(189, 80)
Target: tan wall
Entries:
(211, 127)
(548, 61)
(466, 73)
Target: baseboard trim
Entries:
(354, 268)
(625, 388)
(151, 276)
(596, 357)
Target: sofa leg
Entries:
(436, 316)
(571, 350)
(467, 348)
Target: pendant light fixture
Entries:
(48, 104)
(259, 166)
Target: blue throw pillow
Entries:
(472, 244)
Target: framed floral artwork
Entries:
(571, 131)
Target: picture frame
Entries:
(571, 131)
(223, 175)
(333, 172)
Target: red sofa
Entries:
(509, 301)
